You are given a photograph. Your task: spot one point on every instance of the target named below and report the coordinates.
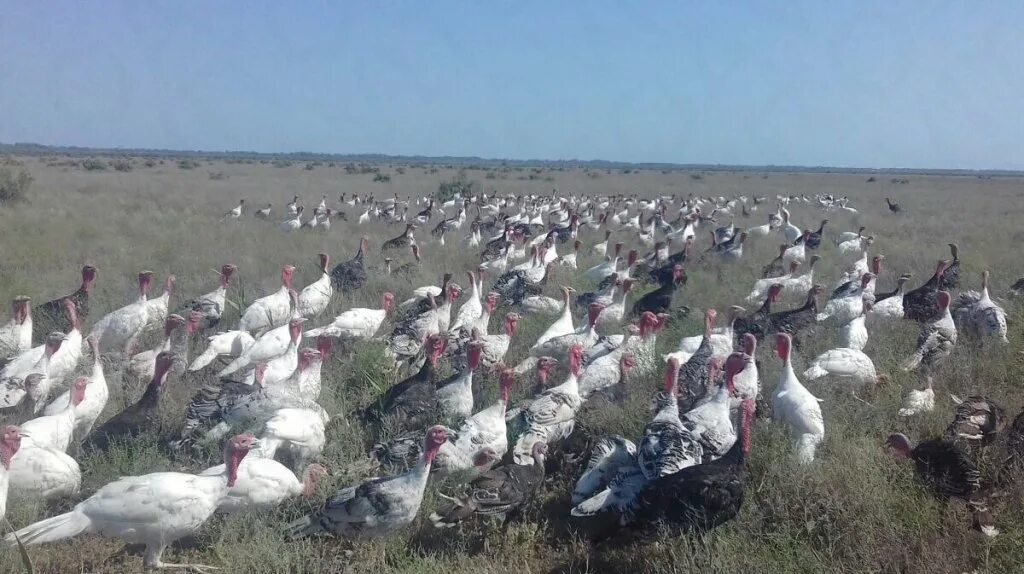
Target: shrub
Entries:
(121, 164)
(382, 178)
(187, 164)
(281, 163)
(149, 163)
(218, 175)
(458, 185)
(491, 175)
(93, 165)
(399, 170)
(13, 187)
(310, 167)
(696, 176)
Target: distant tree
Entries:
(14, 187)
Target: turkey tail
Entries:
(52, 529)
(600, 502)
(806, 445)
(203, 360)
(913, 362)
(302, 528)
(452, 513)
(814, 372)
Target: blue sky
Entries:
(870, 84)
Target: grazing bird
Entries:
(271, 311)
(976, 314)
(16, 335)
(893, 207)
(119, 330)
(234, 213)
(137, 418)
(10, 443)
(211, 306)
(152, 509)
(935, 341)
(795, 406)
(265, 212)
(919, 304)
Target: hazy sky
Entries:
(874, 84)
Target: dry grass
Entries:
(855, 510)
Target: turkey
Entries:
(137, 418)
(711, 418)
(314, 298)
(668, 445)
(486, 429)
(660, 300)
(454, 395)
(845, 364)
(10, 443)
(935, 341)
(776, 267)
(703, 496)
(761, 286)
(610, 319)
(604, 269)
(558, 347)
(977, 420)
(376, 507)
(975, 313)
(119, 330)
(158, 308)
(265, 212)
(350, 275)
(295, 434)
(270, 311)
(608, 457)
(813, 239)
(152, 509)
(757, 323)
(228, 345)
(494, 347)
(951, 277)
(16, 335)
(41, 473)
(471, 310)
(919, 304)
(96, 394)
(234, 213)
(262, 484)
(411, 402)
(854, 335)
(50, 316)
(890, 305)
(56, 431)
(799, 284)
(403, 241)
(502, 491)
(693, 374)
(211, 305)
(893, 207)
(272, 344)
(945, 468)
(177, 331)
(25, 381)
(795, 406)
(357, 324)
(919, 401)
(551, 417)
(847, 302)
(605, 373)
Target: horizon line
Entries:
(32, 148)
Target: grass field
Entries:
(854, 510)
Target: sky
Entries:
(926, 84)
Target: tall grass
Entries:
(855, 510)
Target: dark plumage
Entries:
(660, 300)
(704, 496)
(350, 275)
(757, 323)
(893, 207)
(412, 402)
(951, 276)
(813, 240)
(402, 241)
(501, 491)
(977, 421)
(776, 267)
(139, 417)
(920, 304)
(51, 316)
(796, 320)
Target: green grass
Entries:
(854, 510)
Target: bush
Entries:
(218, 175)
(13, 187)
(382, 178)
(93, 165)
(399, 170)
(458, 185)
(310, 167)
(187, 164)
(149, 163)
(121, 164)
(281, 163)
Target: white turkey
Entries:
(359, 323)
(118, 331)
(295, 433)
(552, 416)
(975, 313)
(890, 305)
(795, 406)
(314, 298)
(10, 442)
(56, 430)
(919, 401)
(152, 509)
(43, 473)
(228, 345)
(262, 484)
(96, 394)
(270, 311)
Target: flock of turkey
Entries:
(687, 468)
